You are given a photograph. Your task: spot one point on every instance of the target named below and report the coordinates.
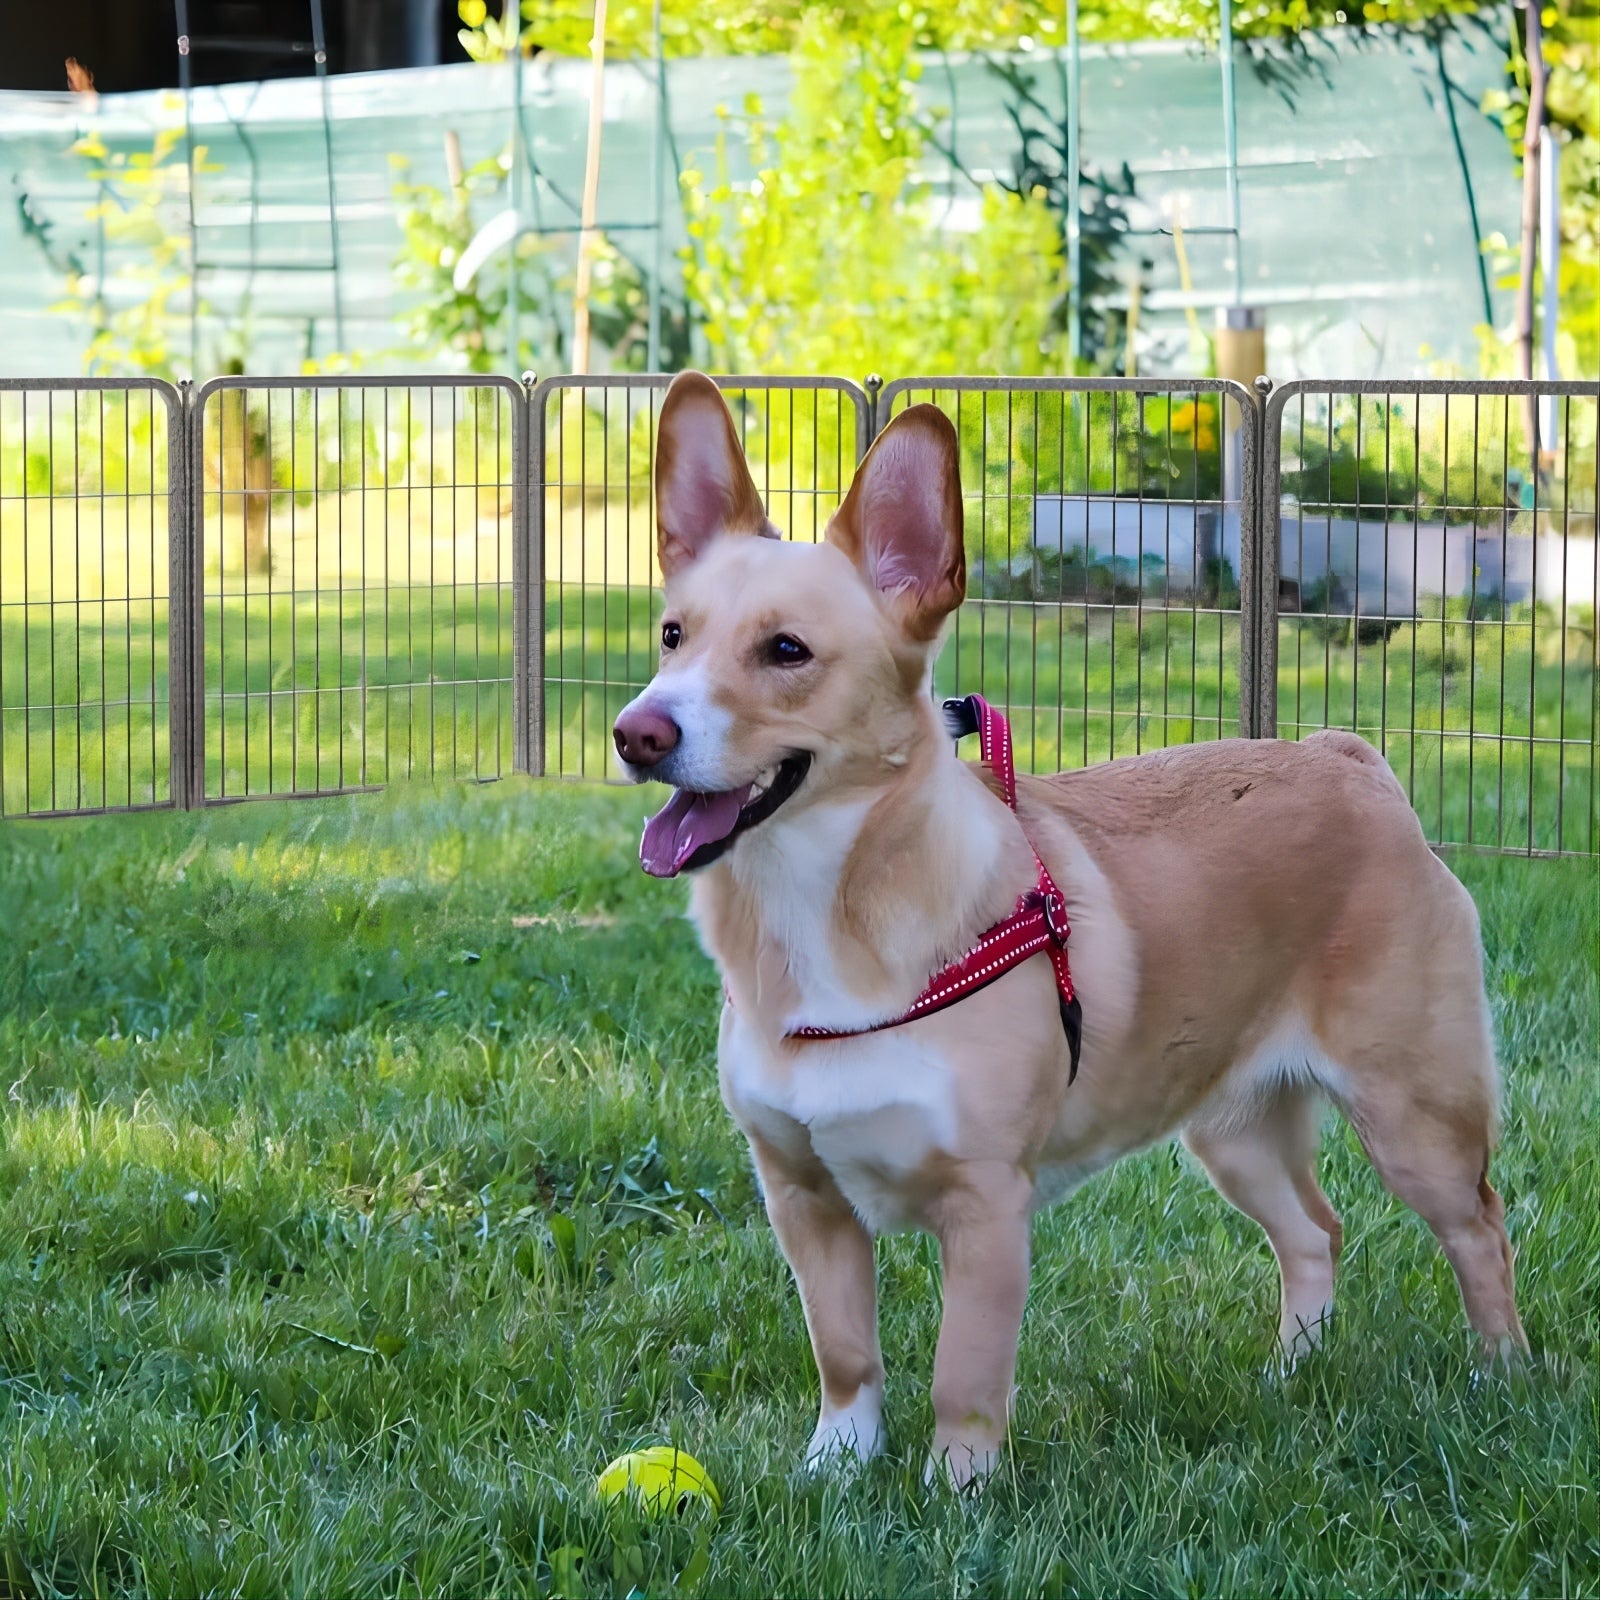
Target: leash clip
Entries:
(960, 717)
(1059, 930)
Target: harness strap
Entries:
(1038, 923)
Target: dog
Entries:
(1256, 927)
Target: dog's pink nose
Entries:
(644, 735)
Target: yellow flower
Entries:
(472, 12)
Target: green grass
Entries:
(1491, 724)
(367, 1189)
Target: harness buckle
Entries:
(1055, 920)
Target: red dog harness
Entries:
(1038, 923)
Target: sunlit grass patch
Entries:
(367, 1189)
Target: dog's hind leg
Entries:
(1417, 1080)
(830, 1254)
(1263, 1159)
(1433, 1153)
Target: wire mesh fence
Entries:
(357, 554)
(301, 586)
(1434, 575)
(88, 487)
(594, 528)
(1110, 548)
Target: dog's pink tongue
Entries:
(685, 823)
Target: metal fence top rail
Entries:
(1072, 385)
(91, 385)
(1581, 387)
(660, 380)
(420, 380)
(860, 399)
(1279, 397)
(1577, 388)
(424, 641)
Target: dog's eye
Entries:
(787, 651)
(671, 635)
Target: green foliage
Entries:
(1107, 265)
(367, 1189)
(760, 27)
(1404, 459)
(468, 326)
(141, 318)
(619, 313)
(1572, 111)
(834, 258)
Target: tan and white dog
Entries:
(1256, 927)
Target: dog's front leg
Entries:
(830, 1254)
(983, 1227)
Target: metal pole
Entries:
(513, 14)
(182, 521)
(1447, 96)
(525, 596)
(658, 142)
(1230, 135)
(1074, 181)
(320, 58)
(186, 82)
(532, 670)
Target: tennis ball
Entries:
(664, 1479)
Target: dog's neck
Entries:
(837, 914)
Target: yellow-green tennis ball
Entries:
(664, 1479)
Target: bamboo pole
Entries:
(588, 238)
(1534, 50)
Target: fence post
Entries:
(183, 541)
(1242, 470)
(195, 541)
(875, 423)
(1268, 518)
(527, 584)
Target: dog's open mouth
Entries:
(692, 829)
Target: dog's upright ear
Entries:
(901, 522)
(703, 486)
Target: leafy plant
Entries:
(1107, 265)
(140, 315)
(1572, 112)
(763, 27)
(834, 257)
(468, 325)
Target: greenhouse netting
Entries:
(1366, 181)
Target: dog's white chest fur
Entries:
(874, 1110)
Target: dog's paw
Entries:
(964, 1468)
(1300, 1339)
(848, 1437)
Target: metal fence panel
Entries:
(357, 554)
(300, 586)
(91, 518)
(1434, 587)
(1111, 558)
(593, 644)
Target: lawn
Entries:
(1491, 723)
(367, 1190)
